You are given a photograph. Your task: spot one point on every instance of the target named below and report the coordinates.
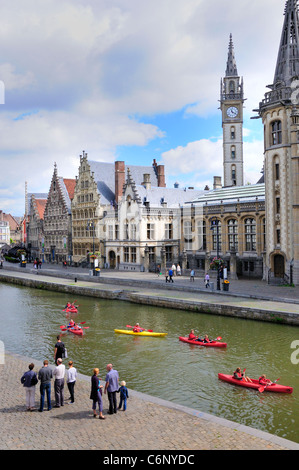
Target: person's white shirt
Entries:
(71, 374)
(59, 371)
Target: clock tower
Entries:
(232, 100)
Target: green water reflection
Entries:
(164, 367)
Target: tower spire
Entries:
(231, 66)
(287, 67)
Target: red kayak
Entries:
(70, 310)
(274, 387)
(212, 344)
(75, 330)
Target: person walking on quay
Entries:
(124, 394)
(170, 272)
(192, 275)
(173, 267)
(45, 375)
(59, 350)
(96, 394)
(178, 270)
(111, 387)
(71, 380)
(29, 380)
(207, 280)
(59, 373)
(166, 275)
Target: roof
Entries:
(40, 206)
(104, 175)
(70, 185)
(174, 197)
(231, 194)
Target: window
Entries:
(116, 232)
(168, 231)
(233, 152)
(133, 231)
(151, 254)
(232, 234)
(276, 133)
(110, 232)
(250, 235)
(168, 253)
(126, 231)
(214, 236)
(150, 231)
(278, 205)
(126, 254)
(278, 236)
(277, 171)
(202, 235)
(234, 175)
(133, 254)
(232, 133)
(188, 235)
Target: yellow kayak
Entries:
(141, 333)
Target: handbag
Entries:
(34, 380)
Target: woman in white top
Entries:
(71, 380)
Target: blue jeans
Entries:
(123, 400)
(45, 388)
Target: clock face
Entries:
(232, 112)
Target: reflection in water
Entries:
(163, 367)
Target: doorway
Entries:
(279, 266)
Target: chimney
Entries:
(120, 180)
(161, 176)
(217, 182)
(146, 181)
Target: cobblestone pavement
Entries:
(148, 423)
(241, 287)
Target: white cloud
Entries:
(79, 75)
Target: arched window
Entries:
(250, 234)
(201, 235)
(214, 237)
(233, 152)
(233, 133)
(234, 174)
(276, 133)
(232, 229)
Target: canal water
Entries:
(163, 367)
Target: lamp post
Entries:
(90, 225)
(214, 224)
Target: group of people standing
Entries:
(44, 377)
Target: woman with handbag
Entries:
(29, 380)
(96, 394)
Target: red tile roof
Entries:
(70, 186)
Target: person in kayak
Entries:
(192, 336)
(71, 324)
(207, 340)
(137, 328)
(264, 381)
(238, 375)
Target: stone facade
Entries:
(35, 228)
(58, 220)
(279, 111)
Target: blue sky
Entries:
(127, 80)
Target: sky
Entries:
(131, 80)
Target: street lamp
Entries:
(214, 224)
(91, 226)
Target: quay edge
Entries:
(165, 300)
